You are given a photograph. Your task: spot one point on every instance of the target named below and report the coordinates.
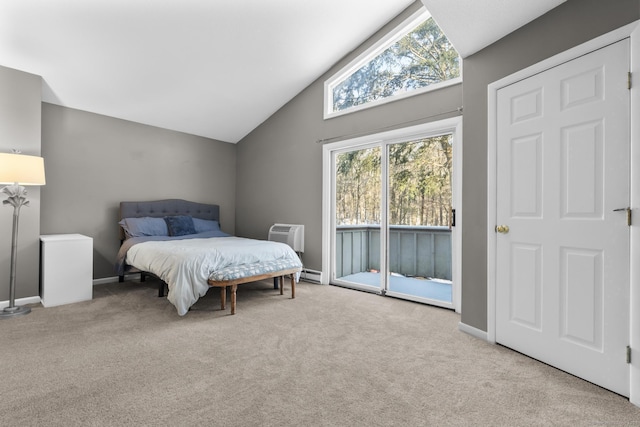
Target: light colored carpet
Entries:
(331, 357)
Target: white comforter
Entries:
(185, 265)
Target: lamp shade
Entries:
(21, 169)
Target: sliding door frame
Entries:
(426, 130)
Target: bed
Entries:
(181, 243)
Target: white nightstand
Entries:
(66, 269)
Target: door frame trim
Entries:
(631, 31)
(453, 125)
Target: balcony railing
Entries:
(413, 250)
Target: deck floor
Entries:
(435, 289)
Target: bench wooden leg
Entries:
(224, 284)
(233, 298)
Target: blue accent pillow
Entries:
(144, 226)
(180, 225)
(202, 225)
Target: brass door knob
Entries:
(504, 229)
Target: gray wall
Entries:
(93, 162)
(20, 129)
(279, 177)
(280, 166)
(569, 25)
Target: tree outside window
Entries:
(421, 58)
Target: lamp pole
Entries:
(17, 198)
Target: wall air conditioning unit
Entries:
(291, 234)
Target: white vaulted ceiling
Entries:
(214, 68)
(471, 25)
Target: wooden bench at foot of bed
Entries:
(233, 284)
(236, 275)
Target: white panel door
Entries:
(562, 279)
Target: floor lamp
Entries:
(17, 170)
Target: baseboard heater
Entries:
(309, 275)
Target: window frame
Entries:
(378, 47)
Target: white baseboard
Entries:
(105, 280)
(114, 279)
(472, 331)
(37, 300)
(21, 301)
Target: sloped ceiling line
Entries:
(219, 68)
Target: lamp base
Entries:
(14, 311)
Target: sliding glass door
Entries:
(358, 216)
(419, 219)
(391, 216)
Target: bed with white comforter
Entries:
(186, 265)
(190, 263)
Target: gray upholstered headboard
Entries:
(168, 207)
